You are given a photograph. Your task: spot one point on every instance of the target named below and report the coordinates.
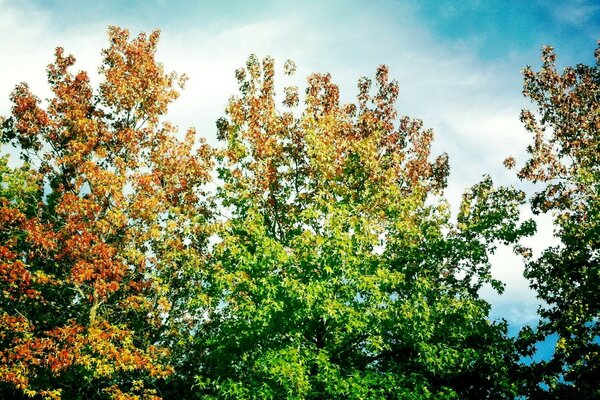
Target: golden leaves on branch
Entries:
(136, 86)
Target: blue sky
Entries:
(457, 62)
(494, 29)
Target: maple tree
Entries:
(339, 270)
(565, 158)
(97, 228)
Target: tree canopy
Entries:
(97, 228)
(565, 157)
(313, 255)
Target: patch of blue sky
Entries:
(499, 29)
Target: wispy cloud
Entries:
(576, 12)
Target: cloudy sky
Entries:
(457, 62)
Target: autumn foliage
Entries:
(91, 224)
(313, 255)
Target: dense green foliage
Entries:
(339, 271)
(324, 264)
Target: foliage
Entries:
(341, 274)
(325, 264)
(565, 156)
(97, 228)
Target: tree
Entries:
(100, 231)
(565, 157)
(340, 271)
(326, 264)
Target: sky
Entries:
(457, 63)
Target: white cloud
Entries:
(29, 38)
(576, 12)
(518, 304)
